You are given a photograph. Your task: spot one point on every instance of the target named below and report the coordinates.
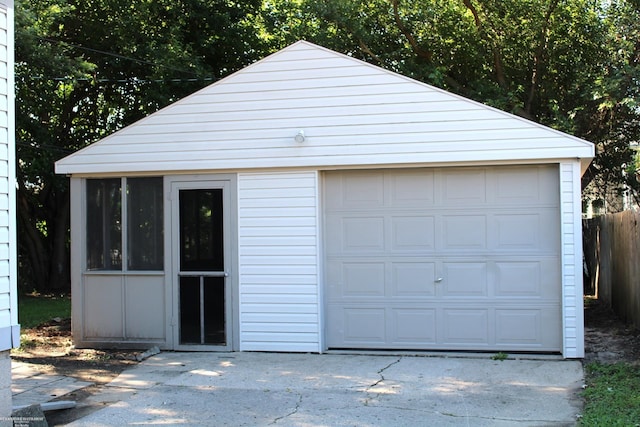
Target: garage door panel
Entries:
(518, 278)
(431, 326)
(464, 232)
(355, 278)
(528, 328)
(412, 188)
(518, 326)
(413, 233)
(352, 277)
(527, 278)
(364, 325)
(413, 326)
(527, 231)
(363, 279)
(518, 231)
(518, 186)
(470, 326)
(464, 279)
(363, 233)
(354, 234)
(414, 279)
(358, 189)
(333, 234)
(451, 258)
(464, 187)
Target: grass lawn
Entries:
(612, 396)
(35, 309)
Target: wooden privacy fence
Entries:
(612, 262)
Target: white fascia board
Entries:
(584, 154)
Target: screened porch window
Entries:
(140, 229)
(104, 224)
(144, 225)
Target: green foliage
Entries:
(612, 396)
(572, 65)
(85, 69)
(500, 356)
(35, 309)
(609, 116)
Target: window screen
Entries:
(145, 224)
(104, 224)
(143, 227)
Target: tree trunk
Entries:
(33, 266)
(59, 268)
(43, 240)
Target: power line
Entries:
(45, 147)
(116, 55)
(130, 80)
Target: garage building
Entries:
(312, 201)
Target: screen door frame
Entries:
(228, 187)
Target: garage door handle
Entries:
(438, 280)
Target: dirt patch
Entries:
(49, 348)
(607, 338)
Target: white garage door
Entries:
(451, 258)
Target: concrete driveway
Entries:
(260, 389)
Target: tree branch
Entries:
(368, 51)
(420, 52)
(498, 67)
(425, 54)
(497, 58)
(474, 12)
(538, 57)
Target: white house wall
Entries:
(279, 307)
(352, 113)
(571, 237)
(9, 329)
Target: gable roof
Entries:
(352, 114)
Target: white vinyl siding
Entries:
(278, 262)
(9, 329)
(571, 235)
(352, 113)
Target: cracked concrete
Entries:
(381, 371)
(293, 412)
(281, 389)
(380, 381)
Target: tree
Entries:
(85, 68)
(611, 115)
(571, 65)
